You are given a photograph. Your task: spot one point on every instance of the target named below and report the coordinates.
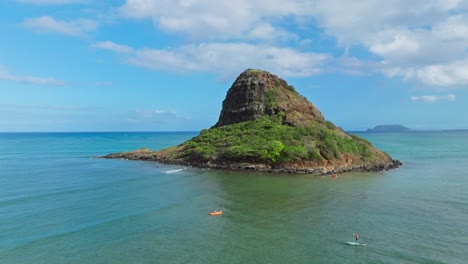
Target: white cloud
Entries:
(108, 45)
(359, 22)
(267, 32)
(78, 28)
(400, 45)
(454, 28)
(218, 57)
(51, 2)
(5, 75)
(353, 66)
(424, 41)
(228, 59)
(451, 74)
(433, 98)
(155, 115)
(445, 74)
(206, 19)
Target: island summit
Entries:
(265, 125)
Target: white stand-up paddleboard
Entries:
(355, 244)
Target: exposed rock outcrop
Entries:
(256, 93)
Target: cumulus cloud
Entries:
(399, 46)
(425, 41)
(227, 59)
(362, 22)
(77, 28)
(108, 45)
(353, 66)
(206, 19)
(433, 98)
(454, 28)
(267, 32)
(5, 75)
(441, 75)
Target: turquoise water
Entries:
(58, 204)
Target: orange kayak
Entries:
(218, 212)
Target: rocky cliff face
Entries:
(265, 125)
(256, 93)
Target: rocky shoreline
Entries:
(148, 155)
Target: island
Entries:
(388, 129)
(265, 125)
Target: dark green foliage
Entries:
(272, 151)
(267, 140)
(293, 153)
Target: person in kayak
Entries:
(356, 237)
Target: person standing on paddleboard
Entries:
(356, 237)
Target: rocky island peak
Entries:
(256, 93)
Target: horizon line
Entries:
(195, 131)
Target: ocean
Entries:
(60, 204)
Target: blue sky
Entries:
(166, 65)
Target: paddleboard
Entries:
(355, 244)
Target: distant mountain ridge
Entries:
(388, 128)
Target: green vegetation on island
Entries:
(266, 125)
(268, 140)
